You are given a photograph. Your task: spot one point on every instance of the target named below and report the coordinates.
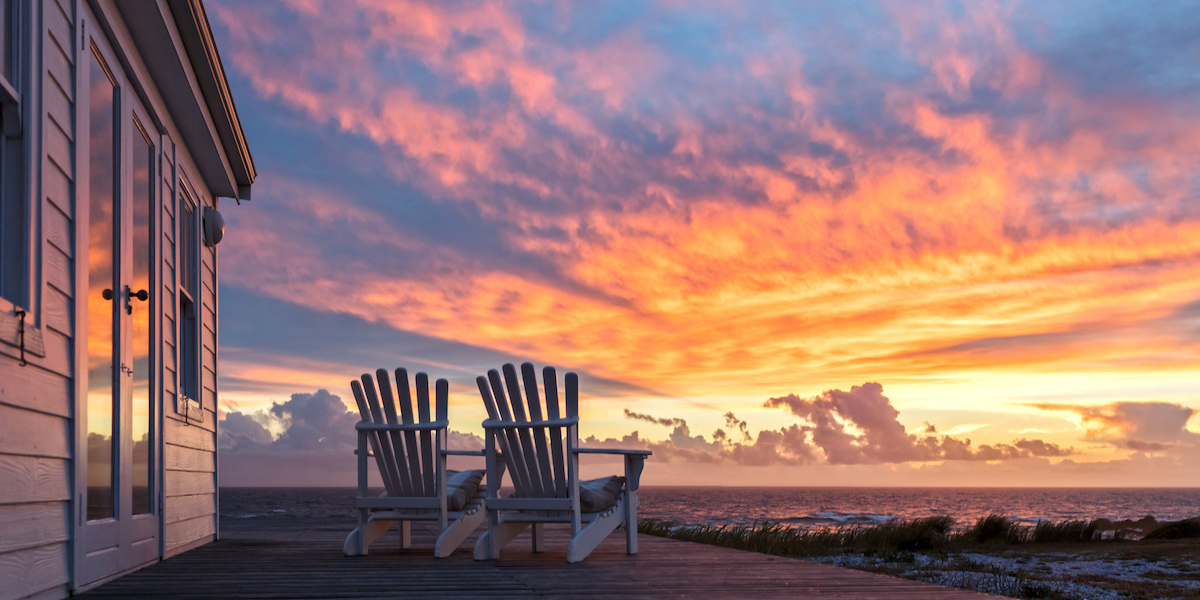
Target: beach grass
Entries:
(932, 533)
(996, 555)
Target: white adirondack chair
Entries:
(545, 472)
(417, 485)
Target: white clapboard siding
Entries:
(193, 435)
(33, 479)
(35, 389)
(187, 483)
(33, 571)
(31, 433)
(181, 534)
(182, 508)
(179, 458)
(32, 525)
(36, 400)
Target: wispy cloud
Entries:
(720, 199)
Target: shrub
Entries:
(1175, 531)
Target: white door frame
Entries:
(109, 547)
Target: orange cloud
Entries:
(773, 207)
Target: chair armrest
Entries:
(635, 461)
(430, 426)
(624, 451)
(497, 424)
(464, 453)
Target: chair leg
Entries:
(590, 537)
(489, 544)
(405, 534)
(454, 535)
(360, 539)
(539, 537)
(631, 522)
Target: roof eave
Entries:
(196, 35)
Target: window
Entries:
(189, 303)
(14, 206)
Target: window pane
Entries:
(14, 253)
(101, 310)
(13, 225)
(7, 38)
(187, 250)
(143, 162)
(188, 301)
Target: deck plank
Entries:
(302, 558)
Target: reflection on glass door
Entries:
(103, 297)
(118, 446)
(143, 161)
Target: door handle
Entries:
(130, 295)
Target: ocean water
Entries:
(802, 507)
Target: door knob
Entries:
(130, 295)
(107, 294)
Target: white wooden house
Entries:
(119, 135)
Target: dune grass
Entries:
(929, 534)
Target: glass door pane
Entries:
(143, 161)
(104, 296)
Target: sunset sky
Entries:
(835, 243)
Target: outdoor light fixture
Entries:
(214, 227)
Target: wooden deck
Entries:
(299, 558)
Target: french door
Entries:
(120, 517)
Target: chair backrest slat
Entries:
(411, 474)
(514, 454)
(489, 404)
(385, 443)
(364, 412)
(525, 435)
(442, 397)
(536, 457)
(410, 437)
(529, 377)
(389, 412)
(572, 381)
(550, 381)
(426, 436)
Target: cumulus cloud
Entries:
(1139, 426)
(306, 430)
(856, 427)
(241, 431)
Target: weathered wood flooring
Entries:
(302, 558)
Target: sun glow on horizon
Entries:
(711, 209)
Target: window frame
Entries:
(188, 351)
(20, 326)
